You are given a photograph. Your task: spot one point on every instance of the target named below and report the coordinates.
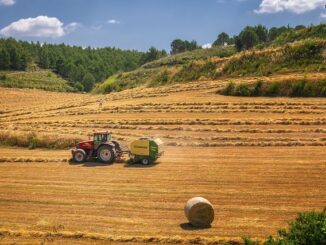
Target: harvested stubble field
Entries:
(259, 161)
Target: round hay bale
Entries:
(199, 212)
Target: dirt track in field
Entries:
(260, 161)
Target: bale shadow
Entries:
(190, 227)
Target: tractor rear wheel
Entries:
(79, 156)
(106, 154)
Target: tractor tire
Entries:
(146, 161)
(79, 156)
(106, 154)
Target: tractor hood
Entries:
(85, 144)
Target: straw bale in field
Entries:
(199, 212)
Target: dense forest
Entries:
(81, 67)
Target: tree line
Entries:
(82, 67)
(249, 37)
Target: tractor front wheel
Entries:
(106, 154)
(79, 156)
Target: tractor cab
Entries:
(100, 138)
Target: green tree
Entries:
(179, 46)
(262, 33)
(221, 39)
(299, 27)
(153, 54)
(247, 39)
(275, 32)
(4, 59)
(88, 82)
(44, 61)
(79, 87)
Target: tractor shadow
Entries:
(190, 227)
(126, 164)
(139, 165)
(89, 164)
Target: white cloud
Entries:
(41, 26)
(7, 2)
(71, 27)
(296, 6)
(113, 21)
(323, 15)
(206, 46)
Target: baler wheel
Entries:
(146, 161)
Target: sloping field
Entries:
(259, 161)
(39, 79)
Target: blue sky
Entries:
(139, 24)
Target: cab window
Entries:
(100, 138)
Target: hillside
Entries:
(103, 70)
(314, 31)
(165, 70)
(39, 79)
(293, 51)
(82, 67)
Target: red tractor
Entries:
(101, 147)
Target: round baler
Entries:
(146, 150)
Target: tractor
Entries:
(101, 147)
(145, 150)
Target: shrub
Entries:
(242, 90)
(32, 140)
(248, 241)
(297, 88)
(307, 228)
(229, 90)
(194, 71)
(79, 87)
(309, 52)
(258, 88)
(301, 88)
(303, 55)
(308, 90)
(321, 87)
(3, 77)
(161, 79)
(273, 89)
